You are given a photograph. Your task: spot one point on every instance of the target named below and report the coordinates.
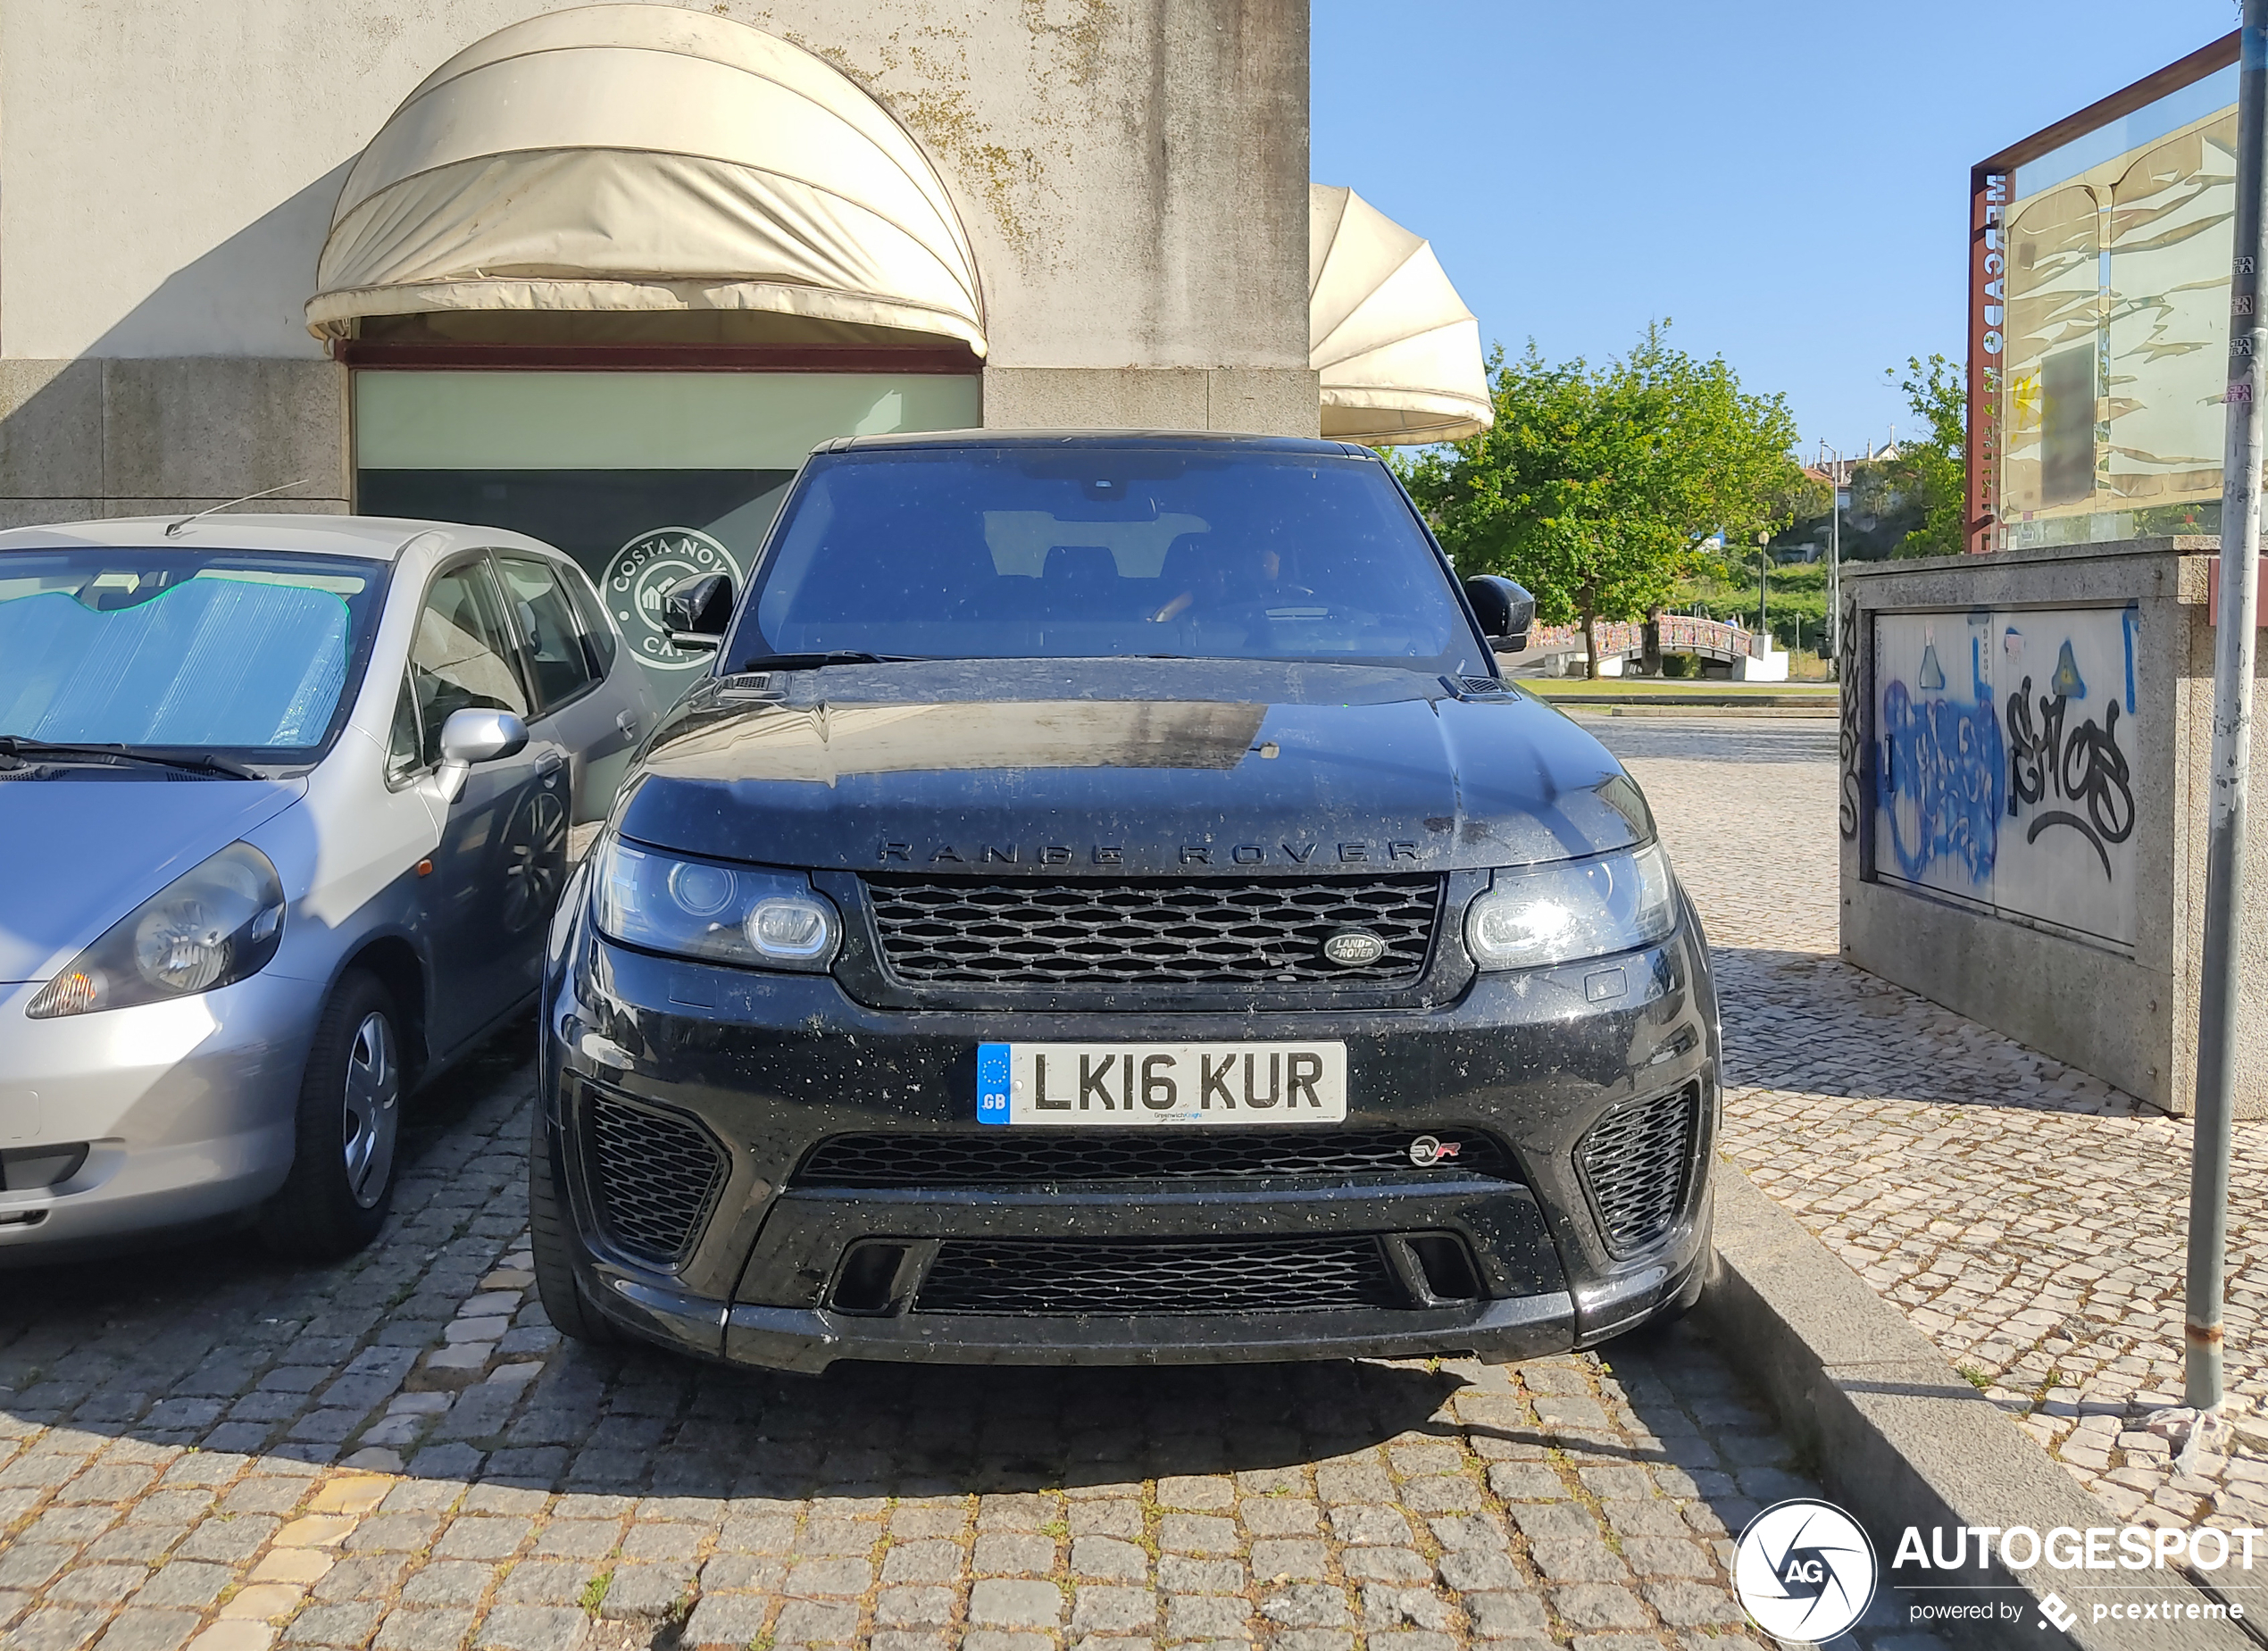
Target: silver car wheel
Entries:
(373, 1111)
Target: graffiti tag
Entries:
(1942, 777)
(1847, 815)
(2083, 767)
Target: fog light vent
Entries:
(1634, 1162)
(1448, 1266)
(865, 1284)
(25, 1168)
(657, 1175)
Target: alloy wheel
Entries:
(373, 1110)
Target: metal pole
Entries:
(1835, 565)
(2224, 876)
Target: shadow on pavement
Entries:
(1445, 1491)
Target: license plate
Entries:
(1131, 1084)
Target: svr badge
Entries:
(647, 569)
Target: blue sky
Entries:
(1785, 181)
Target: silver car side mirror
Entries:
(475, 736)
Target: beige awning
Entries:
(645, 157)
(1398, 351)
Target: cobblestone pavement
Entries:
(202, 1448)
(2030, 1219)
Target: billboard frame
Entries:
(1989, 180)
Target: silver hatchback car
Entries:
(284, 806)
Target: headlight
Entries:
(700, 908)
(1575, 908)
(210, 927)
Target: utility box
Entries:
(2026, 740)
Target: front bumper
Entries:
(768, 1066)
(186, 1109)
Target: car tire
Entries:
(552, 1241)
(347, 1132)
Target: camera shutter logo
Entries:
(646, 570)
(1804, 1571)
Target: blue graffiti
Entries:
(2128, 623)
(1944, 773)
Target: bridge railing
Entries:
(1681, 633)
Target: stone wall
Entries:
(1133, 174)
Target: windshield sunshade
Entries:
(1102, 552)
(136, 649)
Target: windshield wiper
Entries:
(32, 750)
(831, 656)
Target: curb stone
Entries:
(1900, 1438)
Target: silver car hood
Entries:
(81, 852)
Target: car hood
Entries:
(83, 849)
(1096, 767)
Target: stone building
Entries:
(605, 273)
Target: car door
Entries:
(502, 857)
(581, 705)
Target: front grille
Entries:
(1634, 1161)
(949, 931)
(656, 1175)
(1060, 1278)
(1002, 1158)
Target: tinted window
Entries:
(461, 656)
(405, 744)
(174, 647)
(1102, 551)
(561, 655)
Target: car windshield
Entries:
(1087, 551)
(237, 653)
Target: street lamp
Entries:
(1835, 564)
(1763, 579)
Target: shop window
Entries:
(645, 479)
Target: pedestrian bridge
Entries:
(1750, 653)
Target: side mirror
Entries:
(697, 612)
(1504, 609)
(475, 736)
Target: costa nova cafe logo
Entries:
(646, 570)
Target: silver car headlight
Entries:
(705, 909)
(1557, 913)
(213, 925)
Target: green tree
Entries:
(1933, 473)
(1600, 488)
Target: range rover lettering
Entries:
(1104, 904)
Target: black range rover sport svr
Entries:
(1104, 906)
